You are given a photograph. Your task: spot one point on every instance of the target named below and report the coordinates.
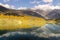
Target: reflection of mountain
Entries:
(21, 36)
(52, 28)
(47, 32)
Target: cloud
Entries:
(47, 0)
(35, 2)
(12, 7)
(8, 6)
(6, 0)
(5, 5)
(46, 7)
(22, 8)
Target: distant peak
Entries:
(2, 8)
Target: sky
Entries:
(33, 4)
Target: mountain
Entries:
(30, 12)
(42, 13)
(54, 14)
(3, 8)
(49, 14)
(7, 11)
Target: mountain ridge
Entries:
(49, 14)
(7, 11)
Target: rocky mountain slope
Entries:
(50, 14)
(6, 11)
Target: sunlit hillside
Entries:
(51, 21)
(17, 22)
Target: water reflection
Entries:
(46, 32)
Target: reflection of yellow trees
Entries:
(16, 22)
